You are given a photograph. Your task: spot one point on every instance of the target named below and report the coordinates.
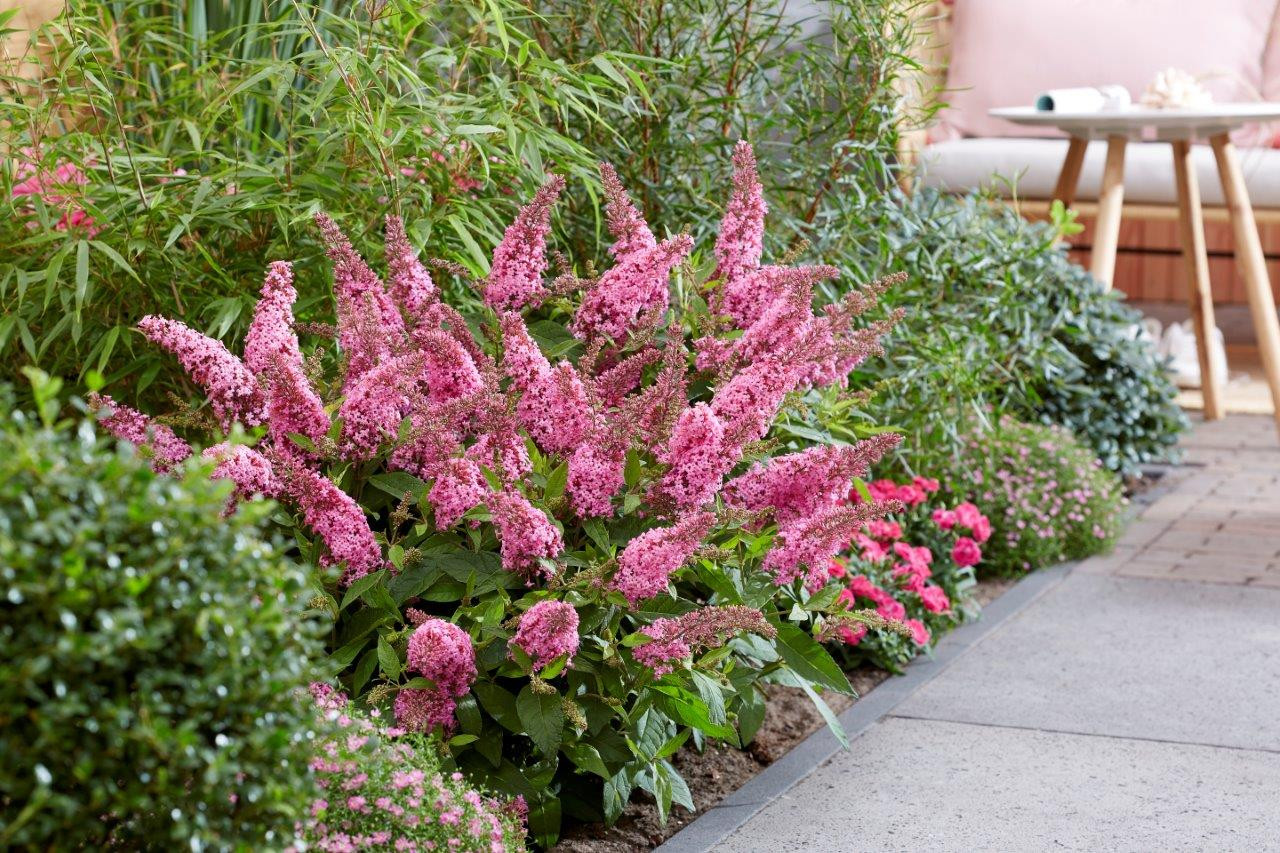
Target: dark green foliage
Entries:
(999, 320)
(150, 655)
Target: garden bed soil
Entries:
(720, 770)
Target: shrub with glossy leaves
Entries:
(150, 654)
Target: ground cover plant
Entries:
(570, 567)
(1048, 497)
(150, 651)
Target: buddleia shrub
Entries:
(151, 654)
(554, 532)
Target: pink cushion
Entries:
(1005, 52)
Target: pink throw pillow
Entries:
(1005, 52)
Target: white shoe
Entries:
(1179, 344)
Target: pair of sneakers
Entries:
(1177, 343)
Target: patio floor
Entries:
(1133, 706)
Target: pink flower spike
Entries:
(233, 391)
(706, 628)
(525, 534)
(442, 652)
(596, 473)
(166, 449)
(698, 456)
(555, 410)
(375, 405)
(293, 406)
(459, 486)
(631, 233)
(515, 274)
(633, 293)
(271, 339)
(251, 472)
(411, 285)
(648, 561)
(337, 520)
(546, 631)
(740, 243)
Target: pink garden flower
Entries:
(740, 243)
(630, 232)
(596, 474)
(966, 552)
(632, 293)
(252, 473)
(525, 534)
(934, 599)
(167, 451)
(233, 391)
(546, 631)
(337, 520)
(698, 457)
(271, 341)
(411, 285)
(515, 274)
(648, 561)
(944, 518)
(422, 709)
(442, 652)
(459, 486)
(706, 628)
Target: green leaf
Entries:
(542, 716)
(750, 714)
(808, 659)
(586, 757)
(360, 585)
(596, 530)
(500, 704)
(824, 709)
(396, 483)
(617, 793)
(692, 711)
(556, 481)
(388, 659)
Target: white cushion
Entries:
(1032, 165)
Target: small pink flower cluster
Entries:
(166, 449)
(648, 561)
(677, 639)
(441, 652)
(546, 631)
(381, 788)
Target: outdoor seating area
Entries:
(509, 425)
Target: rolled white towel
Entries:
(1088, 99)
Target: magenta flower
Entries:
(422, 709)
(459, 486)
(698, 457)
(252, 473)
(630, 232)
(806, 546)
(596, 473)
(966, 552)
(442, 652)
(632, 294)
(503, 451)
(706, 628)
(646, 564)
(294, 407)
(337, 520)
(376, 403)
(411, 285)
(555, 410)
(934, 599)
(233, 391)
(740, 243)
(515, 273)
(546, 631)
(448, 370)
(525, 534)
(271, 338)
(166, 449)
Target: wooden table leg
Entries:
(1196, 258)
(1069, 177)
(1252, 263)
(1106, 231)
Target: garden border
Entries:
(723, 819)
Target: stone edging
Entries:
(723, 819)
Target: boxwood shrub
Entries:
(150, 654)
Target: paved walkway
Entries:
(1133, 706)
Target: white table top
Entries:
(1168, 124)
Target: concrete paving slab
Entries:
(1162, 660)
(916, 785)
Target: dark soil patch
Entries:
(720, 770)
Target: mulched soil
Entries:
(720, 770)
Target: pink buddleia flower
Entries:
(442, 652)
(798, 484)
(522, 360)
(435, 434)
(447, 368)
(698, 456)
(634, 291)
(166, 450)
(750, 400)
(250, 471)
(515, 273)
(615, 383)
(740, 244)
(712, 353)
(233, 391)
(411, 285)
(370, 327)
(525, 534)
(706, 628)
(806, 546)
(546, 631)
(293, 407)
(555, 410)
(646, 564)
(423, 709)
(746, 298)
(596, 473)
(630, 232)
(375, 405)
(503, 451)
(271, 339)
(459, 486)
(337, 520)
